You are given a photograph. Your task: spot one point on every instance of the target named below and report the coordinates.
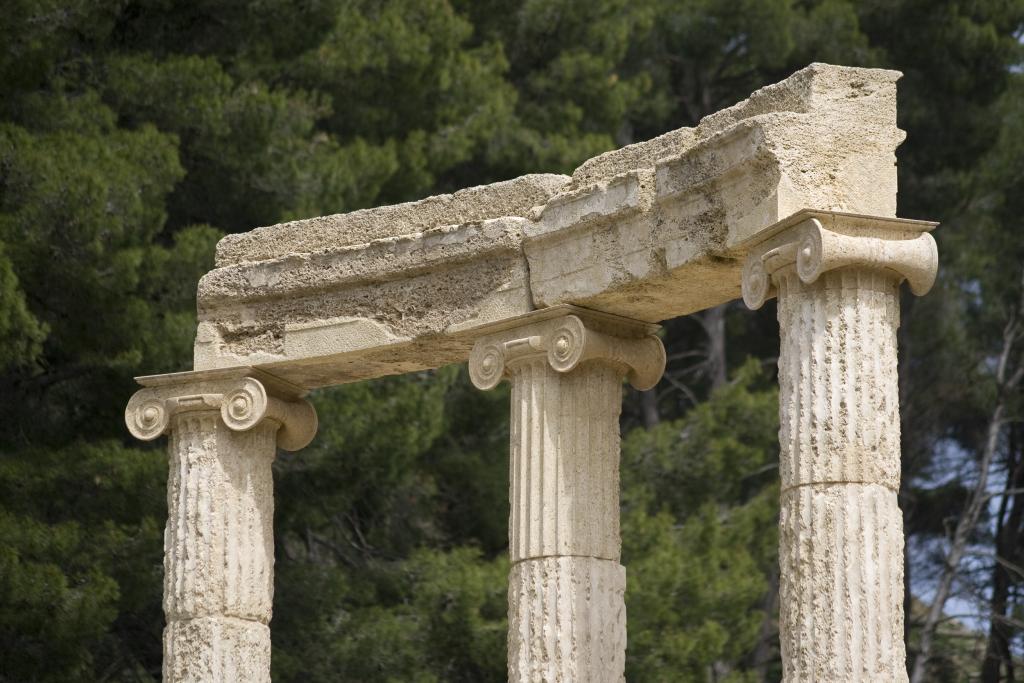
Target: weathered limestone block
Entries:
(569, 620)
(653, 228)
(367, 310)
(316, 235)
(566, 586)
(650, 231)
(841, 529)
(224, 428)
(372, 292)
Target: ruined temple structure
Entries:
(556, 284)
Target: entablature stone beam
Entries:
(652, 231)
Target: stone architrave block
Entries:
(650, 231)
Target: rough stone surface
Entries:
(606, 166)
(841, 584)
(218, 550)
(338, 306)
(840, 419)
(566, 606)
(221, 649)
(567, 620)
(564, 465)
(219, 540)
(841, 531)
(651, 231)
(662, 238)
(509, 198)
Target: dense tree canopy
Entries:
(134, 133)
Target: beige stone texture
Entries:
(631, 157)
(841, 529)
(224, 428)
(315, 235)
(564, 466)
(220, 649)
(566, 605)
(651, 231)
(219, 540)
(243, 396)
(398, 304)
(841, 584)
(567, 620)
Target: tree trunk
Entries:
(999, 633)
(908, 596)
(958, 547)
(649, 408)
(975, 503)
(768, 635)
(713, 322)
(997, 650)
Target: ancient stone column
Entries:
(567, 617)
(841, 529)
(225, 427)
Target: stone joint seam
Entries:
(559, 556)
(837, 482)
(231, 618)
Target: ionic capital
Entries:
(244, 397)
(810, 249)
(566, 337)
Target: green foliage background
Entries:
(135, 133)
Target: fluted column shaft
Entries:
(567, 614)
(218, 550)
(841, 529)
(219, 539)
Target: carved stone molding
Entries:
(567, 337)
(245, 397)
(900, 247)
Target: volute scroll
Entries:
(243, 403)
(565, 343)
(812, 250)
